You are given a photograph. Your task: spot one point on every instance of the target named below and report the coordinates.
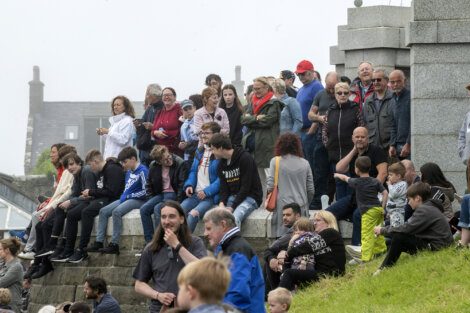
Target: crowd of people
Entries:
(211, 159)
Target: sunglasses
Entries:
(341, 93)
(376, 80)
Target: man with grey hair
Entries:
(400, 141)
(153, 100)
(246, 290)
(378, 111)
(362, 87)
(321, 168)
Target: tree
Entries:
(44, 165)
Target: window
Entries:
(71, 132)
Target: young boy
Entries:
(427, 228)
(372, 212)
(395, 210)
(279, 300)
(202, 286)
(189, 138)
(133, 197)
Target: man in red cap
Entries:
(305, 96)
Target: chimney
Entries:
(36, 93)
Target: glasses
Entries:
(317, 220)
(341, 93)
(171, 255)
(168, 95)
(376, 80)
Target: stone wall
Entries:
(439, 38)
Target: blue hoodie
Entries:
(135, 184)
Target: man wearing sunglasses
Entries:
(378, 111)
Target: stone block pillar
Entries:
(439, 38)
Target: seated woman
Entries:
(11, 273)
(327, 246)
(164, 182)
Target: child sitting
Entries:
(395, 210)
(303, 230)
(279, 300)
(372, 212)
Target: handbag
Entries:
(271, 198)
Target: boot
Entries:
(46, 267)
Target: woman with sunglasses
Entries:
(341, 120)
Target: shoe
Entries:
(44, 252)
(377, 272)
(355, 261)
(95, 247)
(78, 256)
(20, 234)
(112, 248)
(31, 270)
(45, 268)
(63, 257)
(57, 252)
(27, 255)
(354, 251)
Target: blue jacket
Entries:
(246, 289)
(291, 116)
(214, 188)
(401, 133)
(135, 184)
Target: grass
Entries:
(427, 283)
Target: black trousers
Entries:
(291, 277)
(71, 227)
(271, 278)
(48, 230)
(403, 243)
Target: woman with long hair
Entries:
(11, 273)
(234, 109)
(295, 179)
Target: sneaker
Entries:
(78, 256)
(27, 255)
(63, 257)
(44, 269)
(377, 272)
(95, 247)
(354, 251)
(355, 261)
(20, 234)
(57, 252)
(112, 248)
(44, 252)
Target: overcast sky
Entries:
(95, 49)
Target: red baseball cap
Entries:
(304, 66)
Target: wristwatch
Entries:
(178, 247)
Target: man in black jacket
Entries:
(290, 214)
(240, 186)
(110, 186)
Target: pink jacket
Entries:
(201, 116)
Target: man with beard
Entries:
(171, 248)
(95, 289)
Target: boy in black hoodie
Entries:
(240, 186)
(110, 186)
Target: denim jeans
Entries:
(464, 220)
(308, 146)
(321, 173)
(117, 210)
(343, 210)
(194, 203)
(342, 188)
(243, 209)
(153, 206)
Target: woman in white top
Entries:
(121, 129)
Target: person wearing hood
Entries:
(240, 186)
(121, 130)
(427, 229)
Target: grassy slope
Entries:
(430, 282)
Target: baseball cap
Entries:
(304, 66)
(186, 103)
(286, 74)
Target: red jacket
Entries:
(356, 94)
(168, 121)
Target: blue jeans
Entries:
(342, 188)
(153, 206)
(117, 210)
(399, 147)
(343, 210)
(308, 146)
(464, 220)
(243, 209)
(201, 206)
(320, 174)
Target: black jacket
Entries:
(154, 180)
(85, 179)
(144, 138)
(280, 244)
(110, 181)
(240, 178)
(234, 117)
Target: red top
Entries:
(168, 121)
(60, 170)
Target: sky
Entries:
(94, 49)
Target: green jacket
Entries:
(266, 130)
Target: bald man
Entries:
(400, 138)
(346, 208)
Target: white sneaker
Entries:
(377, 272)
(27, 255)
(355, 261)
(354, 251)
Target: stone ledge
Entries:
(336, 56)
(367, 38)
(421, 32)
(440, 10)
(378, 16)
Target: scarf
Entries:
(259, 103)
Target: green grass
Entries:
(429, 282)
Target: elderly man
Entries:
(362, 87)
(305, 96)
(153, 100)
(246, 290)
(378, 111)
(400, 141)
(323, 100)
(347, 206)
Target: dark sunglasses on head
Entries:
(376, 80)
(340, 93)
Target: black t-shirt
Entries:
(376, 155)
(366, 189)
